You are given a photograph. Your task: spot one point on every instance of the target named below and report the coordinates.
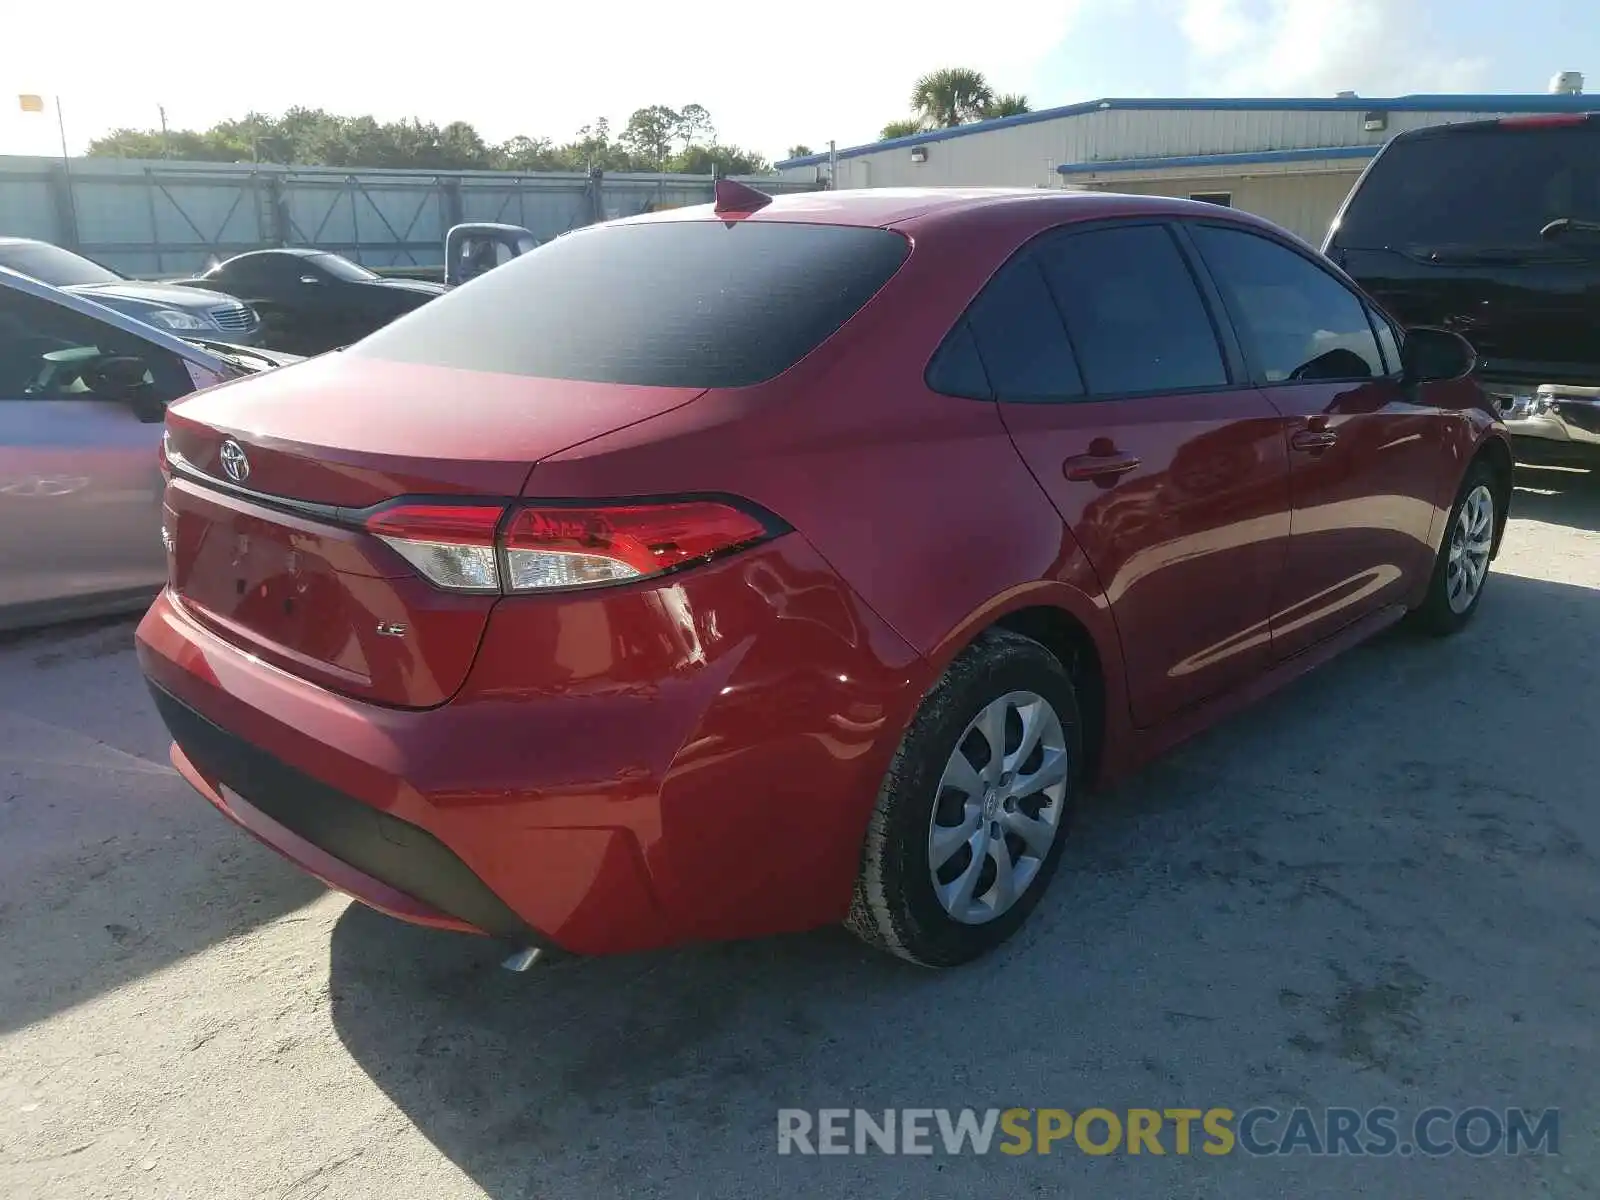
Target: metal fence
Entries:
(162, 219)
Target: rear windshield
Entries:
(697, 304)
(1487, 187)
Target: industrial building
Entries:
(1291, 161)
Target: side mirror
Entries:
(126, 379)
(1436, 356)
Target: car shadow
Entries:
(1567, 496)
(111, 868)
(1256, 915)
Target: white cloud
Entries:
(830, 68)
(1318, 48)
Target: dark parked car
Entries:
(738, 570)
(1492, 229)
(312, 300)
(183, 311)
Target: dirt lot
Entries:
(1381, 888)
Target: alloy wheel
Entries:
(998, 808)
(1471, 540)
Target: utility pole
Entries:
(66, 171)
(166, 141)
(833, 166)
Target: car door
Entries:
(1366, 452)
(80, 480)
(1123, 394)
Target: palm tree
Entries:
(1011, 105)
(900, 129)
(951, 96)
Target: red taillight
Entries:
(451, 544)
(574, 547)
(552, 547)
(1545, 120)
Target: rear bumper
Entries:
(388, 864)
(629, 769)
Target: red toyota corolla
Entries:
(737, 570)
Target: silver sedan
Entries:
(83, 394)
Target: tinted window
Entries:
(53, 265)
(674, 304)
(1300, 322)
(1494, 186)
(957, 370)
(255, 271)
(1387, 341)
(1019, 337)
(48, 351)
(1133, 310)
(341, 268)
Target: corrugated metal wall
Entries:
(167, 218)
(1026, 155)
(1301, 202)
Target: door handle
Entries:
(1312, 440)
(1099, 468)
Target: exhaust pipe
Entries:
(522, 959)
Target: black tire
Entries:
(1435, 615)
(895, 907)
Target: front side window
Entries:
(1134, 313)
(1388, 341)
(1301, 324)
(49, 352)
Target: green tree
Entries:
(951, 96)
(799, 150)
(719, 160)
(656, 138)
(1013, 104)
(529, 154)
(695, 127)
(651, 133)
(899, 129)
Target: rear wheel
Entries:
(1462, 568)
(973, 813)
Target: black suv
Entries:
(1492, 229)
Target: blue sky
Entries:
(771, 75)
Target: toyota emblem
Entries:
(234, 461)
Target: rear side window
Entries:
(1135, 315)
(1301, 323)
(1021, 345)
(696, 304)
(1494, 186)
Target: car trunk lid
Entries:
(272, 556)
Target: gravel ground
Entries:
(1379, 889)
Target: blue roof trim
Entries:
(1536, 103)
(1244, 159)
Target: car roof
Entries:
(22, 241)
(18, 282)
(294, 251)
(906, 207)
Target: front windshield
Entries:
(53, 265)
(342, 268)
